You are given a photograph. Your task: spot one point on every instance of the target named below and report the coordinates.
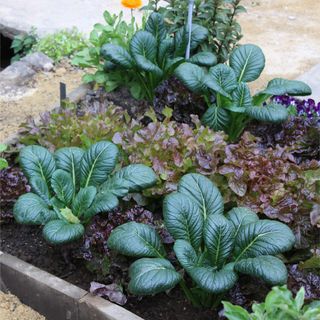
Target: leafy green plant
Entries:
(234, 106)
(73, 185)
(218, 16)
(154, 54)
(61, 44)
(3, 162)
(279, 304)
(211, 248)
(22, 44)
(69, 127)
(116, 31)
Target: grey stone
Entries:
(312, 78)
(38, 61)
(17, 74)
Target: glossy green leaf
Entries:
(133, 178)
(144, 44)
(218, 237)
(148, 66)
(247, 61)
(156, 26)
(31, 209)
(234, 312)
(192, 76)
(269, 113)
(39, 187)
(198, 35)
(97, 163)
(264, 237)
(151, 276)
(117, 55)
(222, 79)
(213, 281)
(60, 231)
(165, 50)
(183, 218)
(3, 163)
(69, 159)
(279, 86)
(185, 253)
(203, 192)
(62, 184)
(268, 268)
(204, 58)
(216, 118)
(241, 96)
(83, 200)
(103, 202)
(36, 161)
(240, 216)
(136, 240)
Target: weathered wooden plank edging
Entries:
(53, 297)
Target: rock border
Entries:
(53, 297)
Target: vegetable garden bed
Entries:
(170, 188)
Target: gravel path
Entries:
(12, 309)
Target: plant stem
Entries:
(188, 293)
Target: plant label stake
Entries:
(189, 24)
(63, 93)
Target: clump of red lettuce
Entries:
(173, 149)
(13, 185)
(270, 181)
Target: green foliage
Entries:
(70, 186)
(172, 149)
(234, 106)
(3, 162)
(279, 304)
(22, 44)
(153, 55)
(115, 31)
(63, 43)
(68, 127)
(218, 16)
(211, 248)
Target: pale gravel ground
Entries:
(12, 309)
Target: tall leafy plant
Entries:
(70, 186)
(114, 30)
(211, 247)
(154, 54)
(226, 90)
(218, 16)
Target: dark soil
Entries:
(26, 243)
(170, 93)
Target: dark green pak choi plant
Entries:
(70, 186)
(225, 88)
(211, 247)
(154, 54)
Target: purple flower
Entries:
(305, 108)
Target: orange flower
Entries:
(131, 4)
